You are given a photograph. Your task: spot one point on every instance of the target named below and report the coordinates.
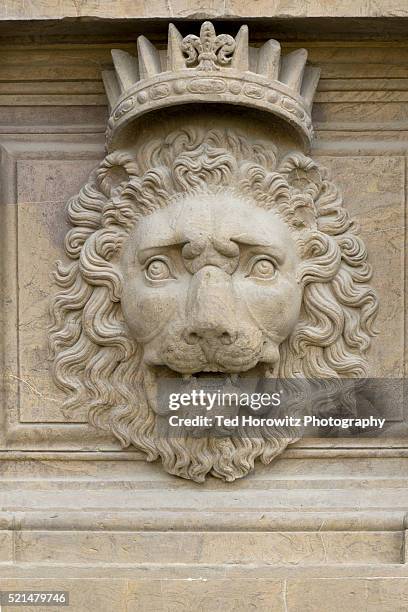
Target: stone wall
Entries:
(322, 528)
(200, 9)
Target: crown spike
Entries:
(309, 85)
(292, 68)
(240, 59)
(126, 68)
(111, 85)
(149, 58)
(269, 60)
(175, 57)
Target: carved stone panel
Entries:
(209, 231)
(347, 120)
(199, 247)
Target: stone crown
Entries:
(210, 68)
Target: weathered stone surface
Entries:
(351, 594)
(127, 9)
(39, 183)
(206, 595)
(322, 528)
(304, 494)
(238, 548)
(6, 547)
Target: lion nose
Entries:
(211, 308)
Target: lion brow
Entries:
(146, 251)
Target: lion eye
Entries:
(263, 268)
(158, 270)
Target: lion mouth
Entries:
(208, 373)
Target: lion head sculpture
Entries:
(204, 251)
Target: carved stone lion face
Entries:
(205, 251)
(210, 285)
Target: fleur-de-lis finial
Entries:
(208, 51)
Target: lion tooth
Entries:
(187, 376)
(234, 378)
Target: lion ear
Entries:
(302, 174)
(304, 211)
(115, 172)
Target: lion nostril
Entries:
(192, 338)
(226, 338)
(209, 334)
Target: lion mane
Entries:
(99, 366)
